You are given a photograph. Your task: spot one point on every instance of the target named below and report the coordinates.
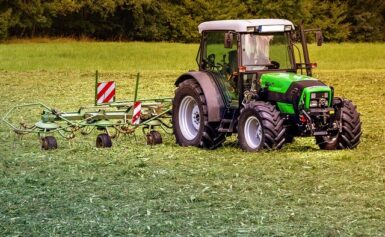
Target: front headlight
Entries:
(319, 99)
(313, 95)
(313, 103)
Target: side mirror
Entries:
(228, 42)
(319, 38)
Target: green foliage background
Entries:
(177, 20)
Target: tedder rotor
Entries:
(107, 115)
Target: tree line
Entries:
(177, 20)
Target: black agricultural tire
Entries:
(48, 143)
(350, 133)
(103, 141)
(273, 128)
(207, 134)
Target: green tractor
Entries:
(251, 82)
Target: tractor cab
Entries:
(238, 52)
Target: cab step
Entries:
(228, 122)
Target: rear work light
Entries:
(271, 28)
(250, 29)
(288, 28)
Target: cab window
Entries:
(216, 56)
(262, 52)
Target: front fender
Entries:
(215, 103)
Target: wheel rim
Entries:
(189, 118)
(253, 132)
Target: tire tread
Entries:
(273, 123)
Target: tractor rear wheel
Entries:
(190, 119)
(260, 126)
(349, 135)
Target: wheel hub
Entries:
(253, 132)
(196, 117)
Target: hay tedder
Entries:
(107, 115)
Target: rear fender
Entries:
(215, 103)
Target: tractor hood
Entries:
(289, 89)
(281, 82)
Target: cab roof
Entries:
(240, 25)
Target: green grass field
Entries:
(134, 189)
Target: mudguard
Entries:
(214, 100)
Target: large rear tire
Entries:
(349, 135)
(190, 119)
(260, 126)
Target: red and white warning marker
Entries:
(136, 114)
(105, 92)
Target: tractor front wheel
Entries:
(260, 126)
(190, 119)
(348, 137)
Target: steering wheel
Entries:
(212, 65)
(273, 65)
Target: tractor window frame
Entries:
(202, 52)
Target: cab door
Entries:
(222, 61)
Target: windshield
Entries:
(261, 52)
